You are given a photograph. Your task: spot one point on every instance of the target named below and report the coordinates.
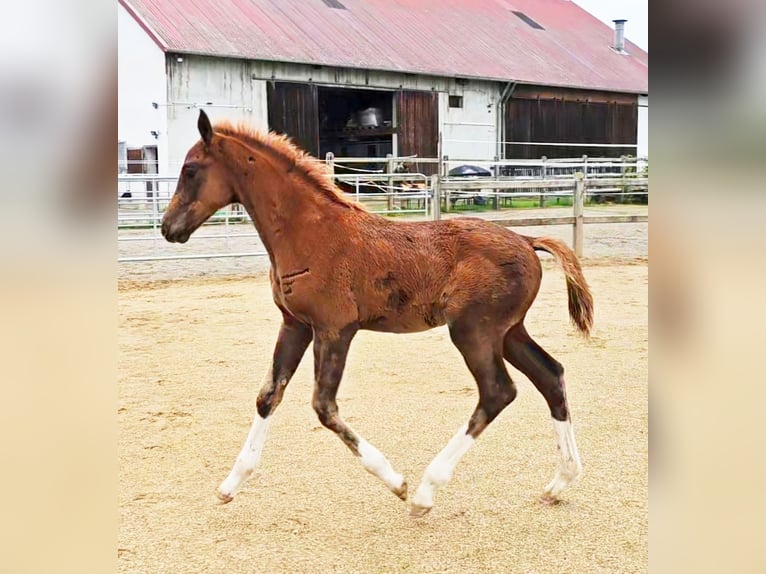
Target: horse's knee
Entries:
(326, 412)
(265, 403)
(269, 398)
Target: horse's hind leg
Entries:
(547, 375)
(294, 338)
(330, 352)
(483, 356)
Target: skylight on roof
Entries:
(526, 19)
(334, 4)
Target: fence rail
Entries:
(391, 191)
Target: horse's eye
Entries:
(190, 171)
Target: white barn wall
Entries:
(223, 88)
(643, 126)
(470, 132)
(236, 90)
(141, 81)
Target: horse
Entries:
(336, 269)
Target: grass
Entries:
(515, 203)
(488, 205)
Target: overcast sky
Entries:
(636, 12)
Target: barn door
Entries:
(558, 115)
(135, 160)
(293, 110)
(417, 115)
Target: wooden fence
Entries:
(576, 187)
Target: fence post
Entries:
(427, 197)
(585, 168)
(445, 159)
(436, 203)
(579, 195)
(439, 156)
(623, 170)
(495, 192)
(227, 211)
(155, 218)
(543, 175)
(330, 160)
(390, 170)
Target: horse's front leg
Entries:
(330, 351)
(294, 338)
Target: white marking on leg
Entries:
(570, 466)
(376, 463)
(439, 472)
(248, 459)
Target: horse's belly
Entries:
(411, 321)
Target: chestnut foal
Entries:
(336, 269)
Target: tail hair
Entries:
(579, 295)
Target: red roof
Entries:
(454, 38)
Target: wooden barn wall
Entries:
(574, 116)
(293, 109)
(417, 116)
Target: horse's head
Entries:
(203, 188)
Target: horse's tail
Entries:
(580, 298)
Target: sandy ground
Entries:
(193, 354)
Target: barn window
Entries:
(334, 4)
(456, 101)
(528, 20)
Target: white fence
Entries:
(389, 191)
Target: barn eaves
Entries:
(528, 20)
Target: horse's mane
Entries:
(312, 169)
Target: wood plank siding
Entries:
(544, 114)
(293, 110)
(417, 116)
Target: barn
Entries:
(469, 79)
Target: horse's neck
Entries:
(287, 212)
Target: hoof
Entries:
(223, 498)
(401, 492)
(549, 499)
(417, 511)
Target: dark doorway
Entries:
(352, 122)
(355, 123)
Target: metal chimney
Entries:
(619, 35)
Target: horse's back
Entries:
(490, 249)
(419, 275)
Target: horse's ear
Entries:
(204, 127)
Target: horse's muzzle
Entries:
(174, 233)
